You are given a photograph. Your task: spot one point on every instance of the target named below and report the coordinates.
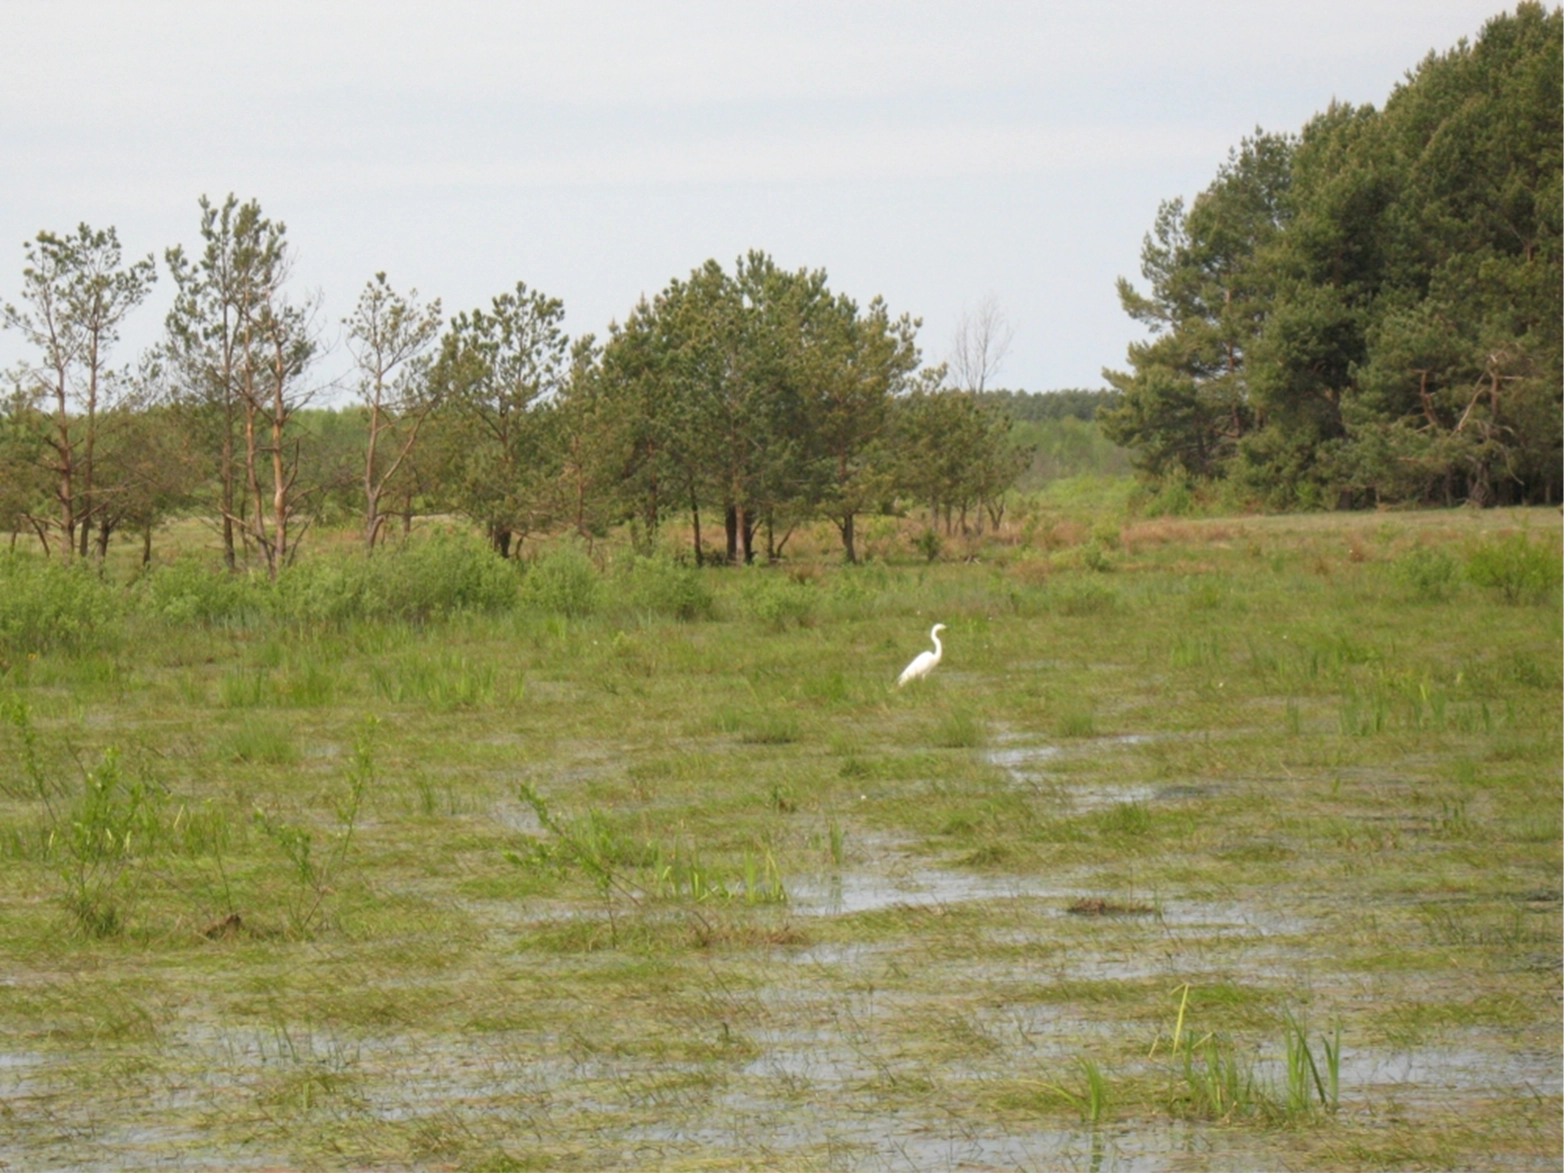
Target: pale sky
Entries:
(933, 153)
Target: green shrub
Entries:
(563, 581)
(113, 821)
(324, 590)
(428, 579)
(45, 605)
(439, 577)
(776, 601)
(1426, 574)
(1172, 500)
(1521, 570)
(188, 591)
(662, 586)
(929, 545)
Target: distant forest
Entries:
(1366, 312)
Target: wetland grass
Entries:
(649, 867)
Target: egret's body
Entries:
(921, 665)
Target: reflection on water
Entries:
(854, 892)
(1029, 765)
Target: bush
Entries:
(1426, 574)
(1172, 499)
(190, 592)
(661, 586)
(563, 581)
(428, 579)
(439, 577)
(45, 605)
(323, 590)
(1520, 570)
(929, 545)
(775, 601)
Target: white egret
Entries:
(921, 665)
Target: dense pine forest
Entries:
(1369, 311)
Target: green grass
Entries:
(1204, 833)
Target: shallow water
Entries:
(858, 891)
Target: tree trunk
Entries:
(372, 491)
(255, 526)
(747, 529)
(696, 526)
(67, 490)
(226, 494)
(500, 539)
(42, 532)
(279, 482)
(846, 529)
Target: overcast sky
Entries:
(933, 153)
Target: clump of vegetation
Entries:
(1170, 499)
(113, 819)
(661, 586)
(1522, 570)
(188, 591)
(315, 877)
(45, 606)
(423, 580)
(1427, 573)
(562, 581)
(778, 602)
(958, 728)
(1083, 598)
(441, 576)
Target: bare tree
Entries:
(390, 337)
(980, 345)
(279, 344)
(241, 349)
(76, 294)
(216, 294)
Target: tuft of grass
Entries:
(1127, 819)
(1307, 1088)
(957, 729)
(1085, 597)
(260, 740)
(1074, 723)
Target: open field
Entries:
(1211, 843)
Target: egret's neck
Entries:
(936, 637)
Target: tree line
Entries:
(740, 403)
(1369, 311)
